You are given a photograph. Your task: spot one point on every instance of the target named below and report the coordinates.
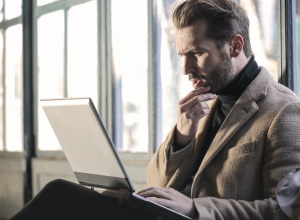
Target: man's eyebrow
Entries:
(192, 50)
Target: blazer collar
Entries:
(242, 111)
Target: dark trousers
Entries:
(63, 200)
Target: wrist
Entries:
(180, 141)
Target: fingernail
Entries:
(207, 87)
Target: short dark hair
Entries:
(225, 19)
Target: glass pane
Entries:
(1, 10)
(130, 71)
(263, 32)
(14, 89)
(82, 51)
(13, 9)
(44, 2)
(174, 85)
(298, 43)
(50, 57)
(1, 92)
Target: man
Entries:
(220, 161)
(223, 160)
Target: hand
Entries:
(190, 110)
(170, 198)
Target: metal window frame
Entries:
(28, 107)
(286, 64)
(287, 53)
(38, 12)
(105, 75)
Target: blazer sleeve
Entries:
(166, 161)
(281, 155)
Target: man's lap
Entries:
(64, 200)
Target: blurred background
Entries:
(123, 55)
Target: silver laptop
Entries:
(92, 155)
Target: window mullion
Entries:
(28, 96)
(4, 79)
(291, 50)
(156, 87)
(151, 80)
(105, 75)
(281, 40)
(66, 53)
(4, 91)
(287, 52)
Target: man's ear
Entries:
(237, 45)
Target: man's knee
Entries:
(56, 185)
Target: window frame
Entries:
(39, 11)
(286, 64)
(287, 53)
(105, 76)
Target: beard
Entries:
(220, 76)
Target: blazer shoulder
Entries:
(281, 93)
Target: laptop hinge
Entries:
(120, 194)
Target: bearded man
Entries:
(223, 160)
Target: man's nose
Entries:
(188, 66)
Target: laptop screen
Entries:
(86, 143)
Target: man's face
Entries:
(204, 62)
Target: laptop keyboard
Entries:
(148, 200)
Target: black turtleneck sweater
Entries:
(228, 98)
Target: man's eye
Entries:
(199, 54)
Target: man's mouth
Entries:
(196, 83)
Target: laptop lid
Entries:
(86, 143)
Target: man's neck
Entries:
(240, 62)
(243, 79)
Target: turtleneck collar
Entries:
(232, 93)
(240, 83)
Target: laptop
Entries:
(92, 154)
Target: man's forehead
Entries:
(193, 35)
(197, 28)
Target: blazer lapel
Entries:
(242, 111)
(237, 117)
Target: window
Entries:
(66, 58)
(13, 9)
(263, 33)
(146, 71)
(172, 84)
(82, 51)
(50, 44)
(13, 89)
(11, 79)
(130, 63)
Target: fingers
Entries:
(194, 93)
(149, 189)
(197, 112)
(164, 202)
(196, 101)
(170, 198)
(165, 193)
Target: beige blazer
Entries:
(256, 146)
